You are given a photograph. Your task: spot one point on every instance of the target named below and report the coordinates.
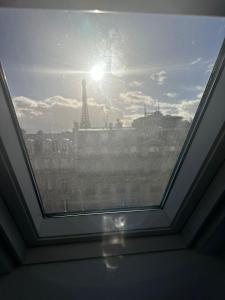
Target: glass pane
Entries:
(105, 100)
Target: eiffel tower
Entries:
(85, 121)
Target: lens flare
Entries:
(97, 72)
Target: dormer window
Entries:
(103, 111)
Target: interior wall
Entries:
(175, 274)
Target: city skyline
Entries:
(86, 169)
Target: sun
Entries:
(97, 72)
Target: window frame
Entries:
(23, 198)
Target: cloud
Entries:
(196, 90)
(171, 95)
(159, 77)
(134, 101)
(188, 108)
(200, 90)
(135, 97)
(25, 106)
(185, 108)
(196, 61)
(135, 83)
(209, 68)
(58, 113)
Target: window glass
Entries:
(105, 100)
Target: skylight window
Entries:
(105, 101)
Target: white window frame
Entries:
(200, 142)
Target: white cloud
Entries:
(134, 102)
(209, 68)
(58, 113)
(135, 97)
(61, 101)
(135, 83)
(171, 95)
(159, 77)
(187, 108)
(200, 90)
(196, 61)
(25, 106)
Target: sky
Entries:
(162, 61)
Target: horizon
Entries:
(103, 127)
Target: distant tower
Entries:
(158, 111)
(145, 110)
(85, 122)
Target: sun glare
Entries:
(97, 72)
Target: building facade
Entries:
(106, 168)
